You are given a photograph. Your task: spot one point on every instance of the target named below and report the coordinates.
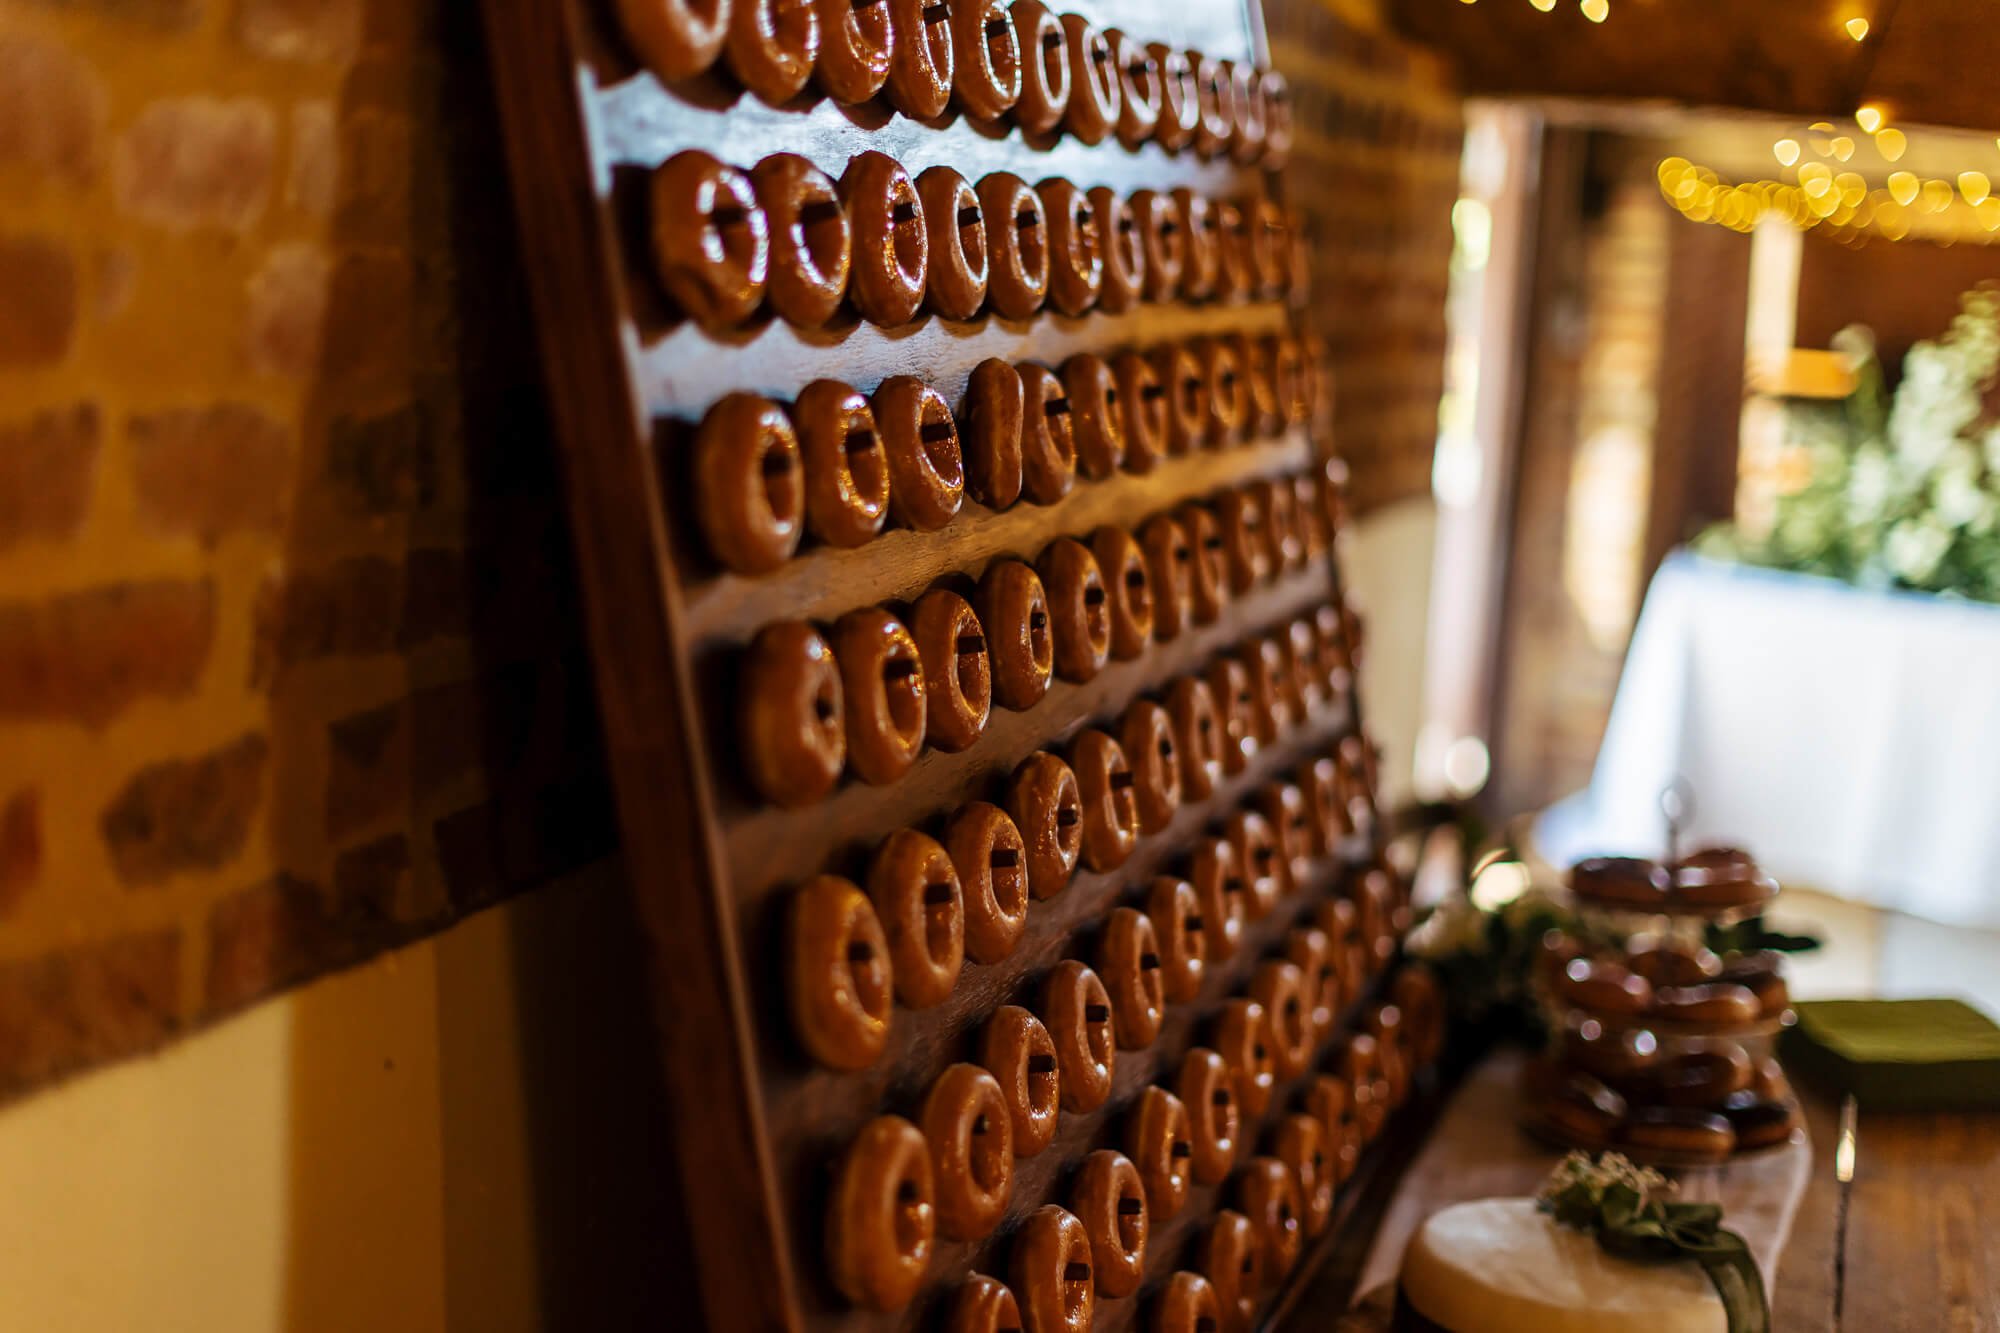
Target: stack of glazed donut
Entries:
(1020, 63)
(1662, 1047)
(725, 243)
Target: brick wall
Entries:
(1375, 172)
(289, 671)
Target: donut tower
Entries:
(1660, 1047)
(960, 536)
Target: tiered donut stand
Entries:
(960, 541)
(1660, 1047)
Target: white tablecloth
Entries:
(1850, 739)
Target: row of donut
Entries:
(869, 694)
(725, 241)
(1620, 993)
(840, 465)
(900, 1183)
(931, 903)
(991, 60)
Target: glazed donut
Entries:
(991, 860)
(920, 441)
(1281, 523)
(1246, 134)
(1385, 1023)
(891, 245)
(1169, 572)
(1045, 71)
(971, 1138)
(1582, 1109)
(1217, 100)
(1269, 1197)
(1048, 436)
(1187, 1304)
(1745, 968)
(1619, 1056)
(1717, 1004)
(1231, 1257)
(811, 247)
(855, 45)
(1341, 923)
(990, 438)
(1208, 581)
(1207, 1090)
(1142, 401)
(1773, 995)
(1244, 547)
(1308, 949)
(1104, 783)
(794, 731)
(1235, 271)
(847, 471)
(922, 59)
(1187, 397)
(1163, 241)
(1157, 1140)
(1330, 1101)
(986, 58)
(1110, 1201)
(1336, 660)
(1264, 668)
(1077, 608)
(1361, 1066)
(1051, 1272)
(1230, 684)
(1014, 610)
(1129, 963)
(955, 238)
(1302, 655)
(1139, 88)
(1175, 912)
(1621, 881)
(1076, 248)
(1265, 241)
(1180, 98)
(1219, 888)
(1198, 730)
(1228, 391)
(1257, 855)
(749, 495)
(1770, 1083)
(1760, 1124)
(1196, 217)
(1420, 995)
(1319, 785)
(916, 894)
(1298, 1143)
(1128, 592)
(1665, 963)
(1096, 96)
(1146, 734)
(1679, 1130)
(882, 682)
(1706, 1076)
(983, 1305)
(677, 39)
(1312, 519)
(1243, 1039)
(1096, 423)
(1280, 988)
(1288, 378)
(1604, 988)
(1264, 415)
(837, 963)
(1382, 913)
(1719, 879)
(1278, 128)
(771, 47)
(881, 1222)
(958, 681)
(1717, 863)
(1077, 1012)
(711, 241)
(1045, 805)
(1018, 1051)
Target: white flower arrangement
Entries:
(1908, 497)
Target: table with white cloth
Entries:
(1849, 738)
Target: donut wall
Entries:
(962, 575)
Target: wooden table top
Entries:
(1922, 1251)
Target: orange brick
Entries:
(87, 656)
(51, 109)
(195, 161)
(48, 466)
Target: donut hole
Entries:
(1044, 1084)
(971, 232)
(868, 976)
(867, 465)
(1076, 1291)
(1084, 243)
(728, 238)
(1061, 429)
(1138, 591)
(911, 1218)
(937, 441)
(991, 1161)
(826, 704)
(1055, 61)
(906, 230)
(1039, 642)
(1097, 1031)
(1131, 1223)
(1096, 614)
(1031, 240)
(902, 693)
(822, 237)
(1010, 881)
(1190, 395)
(1124, 800)
(781, 480)
(791, 24)
(941, 915)
(1003, 53)
(969, 667)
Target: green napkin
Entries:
(1899, 1055)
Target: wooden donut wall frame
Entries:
(622, 117)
